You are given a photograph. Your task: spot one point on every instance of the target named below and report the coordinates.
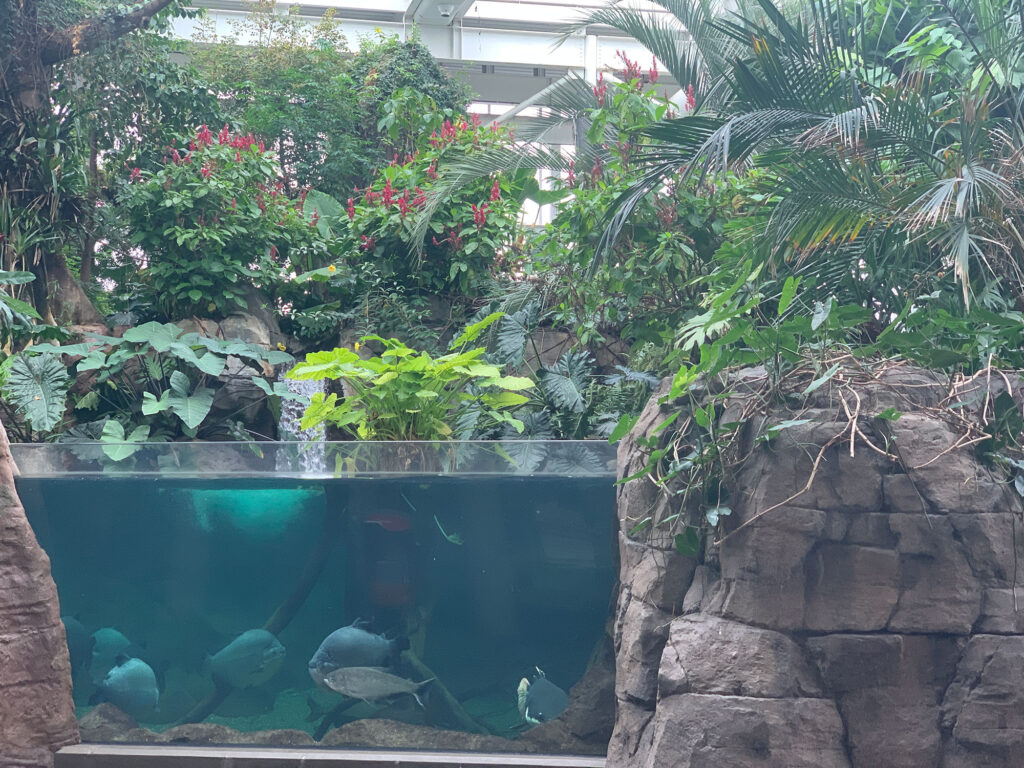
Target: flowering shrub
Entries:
(472, 233)
(646, 285)
(212, 221)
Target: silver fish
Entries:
(353, 646)
(371, 684)
(250, 659)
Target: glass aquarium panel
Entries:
(408, 596)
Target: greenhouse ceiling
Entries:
(508, 50)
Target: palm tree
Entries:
(882, 167)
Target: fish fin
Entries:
(359, 623)
(428, 680)
(540, 672)
(316, 711)
(418, 700)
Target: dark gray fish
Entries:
(371, 684)
(130, 685)
(250, 659)
(80, 643)
(353, 646)
(108, 644)
(541, 700)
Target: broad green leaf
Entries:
(37, 386)
(788, 292)
(688, 542)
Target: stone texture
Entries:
(706, 654)
(872, 619)
(701, 731)
(37, 715)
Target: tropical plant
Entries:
(212, 221)
(405, 394)
(155, 381)
(884, 168)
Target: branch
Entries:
(92, 33)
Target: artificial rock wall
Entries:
(37, 715)
(874, 621)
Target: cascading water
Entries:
(310, 454)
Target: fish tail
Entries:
(524, 687)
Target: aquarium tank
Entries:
(449, 596)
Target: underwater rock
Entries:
(105, 722)
(393, 734)
(250, 659)
(213, 733)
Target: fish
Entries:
(371, 684)
(108, 644)
(130, 685)
(541, 700)
(353, 646)
(80, 643)
(250, 659)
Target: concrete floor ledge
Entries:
(167, 756)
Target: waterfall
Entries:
(310, 457)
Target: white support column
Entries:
(590, 61)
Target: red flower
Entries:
(403, 204)
(351, 210)
(388, 194)
(600, 90)
(135, 175)
(222, 137)
(368, 243)
(421, 198)
(495, 191)
(233, 203)
(572, 173)
(432, 170)
(206, 171)
(204, 137)
(261, 146)
(691, 100)
(238, 157)
(314, 218)
(653, 71)
(479, 215)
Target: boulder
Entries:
(37, 715)
(856, 609)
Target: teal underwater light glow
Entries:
(258, 511)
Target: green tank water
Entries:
(234, 590)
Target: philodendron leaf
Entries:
(120, 447)
(160, 336)
(37, 385)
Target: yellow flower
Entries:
(332, 268)
(356, 346)
(280, 346)
(211, 306)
